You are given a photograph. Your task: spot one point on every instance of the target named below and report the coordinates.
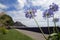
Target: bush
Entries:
(3, 30)
(54, 36)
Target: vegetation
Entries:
(6, 20)
(11, 34)
(14, 35)
(3, 30)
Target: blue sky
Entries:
(15, 8)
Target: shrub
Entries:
(3, 30)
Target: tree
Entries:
(6, 19)
(5, 22)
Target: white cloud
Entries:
(57, 14)
(2, 6)
(21, 3)
(45, 3)
(38, 2)
(20, 15)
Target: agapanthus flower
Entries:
(48, 13)
(30, 12)
(54, 7)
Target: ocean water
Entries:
(36, 29)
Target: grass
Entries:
(14, 35)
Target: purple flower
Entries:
(30, 12)
(54, 7)
(48, 13)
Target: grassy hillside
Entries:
(14, 35)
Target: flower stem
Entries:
(48, 24)
(55, 28)
(39, 28)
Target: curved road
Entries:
(34, 35)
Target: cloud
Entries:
(45, 3)
(2, 6)
(21, 3)
(38, 2)
(19, 15)
(57, 14)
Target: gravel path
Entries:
(34, 35)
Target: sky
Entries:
(15, 8)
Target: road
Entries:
(34, 35)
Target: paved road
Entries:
(34, 35)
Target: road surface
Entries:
(34, 35)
